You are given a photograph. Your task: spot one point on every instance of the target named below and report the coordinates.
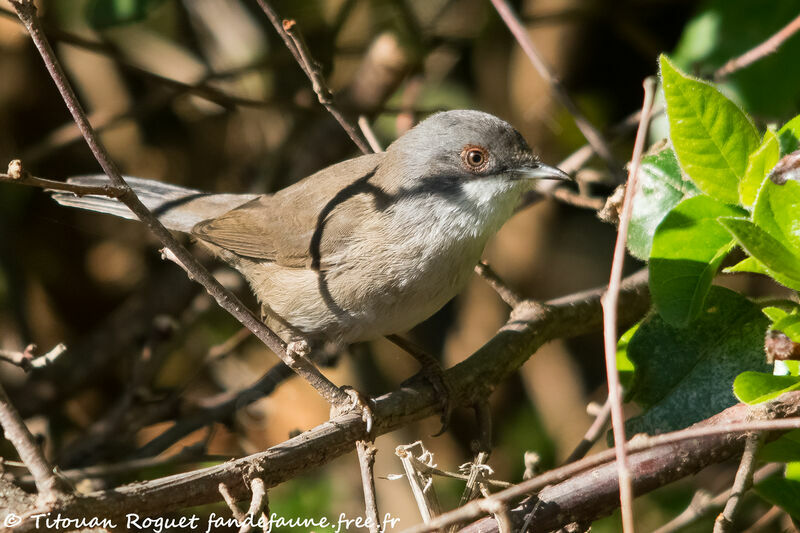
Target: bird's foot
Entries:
(434, 374)
(299, 348)
(356, 402)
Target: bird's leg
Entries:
(432, 371)
(298, 347)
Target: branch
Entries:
(48, 485)
(595, 138)
(741, 484)
(592, 434)
(18, 175)
(366, 460)
(589, 489)
(293, 40)
(610, 305)
(26, 359)
(769, 46)
(27, 14)
(529, 327)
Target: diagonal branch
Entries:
(27, 14)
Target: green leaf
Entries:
(723, 29)
(789, 136)
(712, 137)
(759, 164)
(783, 450)
(756, 387)
(769, 251)
(752, 265)
(774, 313)
(684, 375)
(783, 491)
(789, 326)
(624, 365)
(660, 188)
(688, 247)
(777, 211)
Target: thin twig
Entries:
(592, 134)
(759, 52)
(366, 460)
(421, 485)
(289, 32)
(592, 434)
(765, 521)
(26, 11)
(15, 430)
(23, 178)
(741, 484)
(369, 134)
(428, 469)
(702, 504)
(231, 501)
(610, 302)
(504, 291)
(26, 359)
(259, 496)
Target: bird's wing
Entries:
(303, 225)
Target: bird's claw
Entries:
(357, 402)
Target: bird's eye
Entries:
(475, 157)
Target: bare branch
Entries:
(27, 14)
(257, 501)
(17, 174)
(595, 138)
(366, 460)
(26, 359)
(504, 291)
(15, 430)
(610, 304)
(742, 483)
(421, 484)
(293, 40)
(592, 434)
(759, 52)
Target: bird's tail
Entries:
(178, 208)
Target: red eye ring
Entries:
(475, 157)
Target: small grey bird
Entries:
(367, 247)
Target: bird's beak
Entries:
(541, 172)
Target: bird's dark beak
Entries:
(541, 172)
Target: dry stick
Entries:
(592, 434)
(610, 302)
(27, 14)
(479, 508)
(293, 40)
(422, 467)
(759, 52)
(421, 485)
(27, 361)
(369, 134)
(231, 501)
(700, 507)
(366, 460)
(15, 430)
(741, 484)
(23, 178)
(504, 291)
(259, 491)
(599, 144)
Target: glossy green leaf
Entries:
(789, 136)
(756, 387)
(688, 247)
(783, 491)
(684, 375)
(712, 137)
(752, 265)
(777, 211)
(759, 164)
(660, 188)
(768, 250)
(789, 326)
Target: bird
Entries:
(365, 248)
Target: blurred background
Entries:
(203, 93)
